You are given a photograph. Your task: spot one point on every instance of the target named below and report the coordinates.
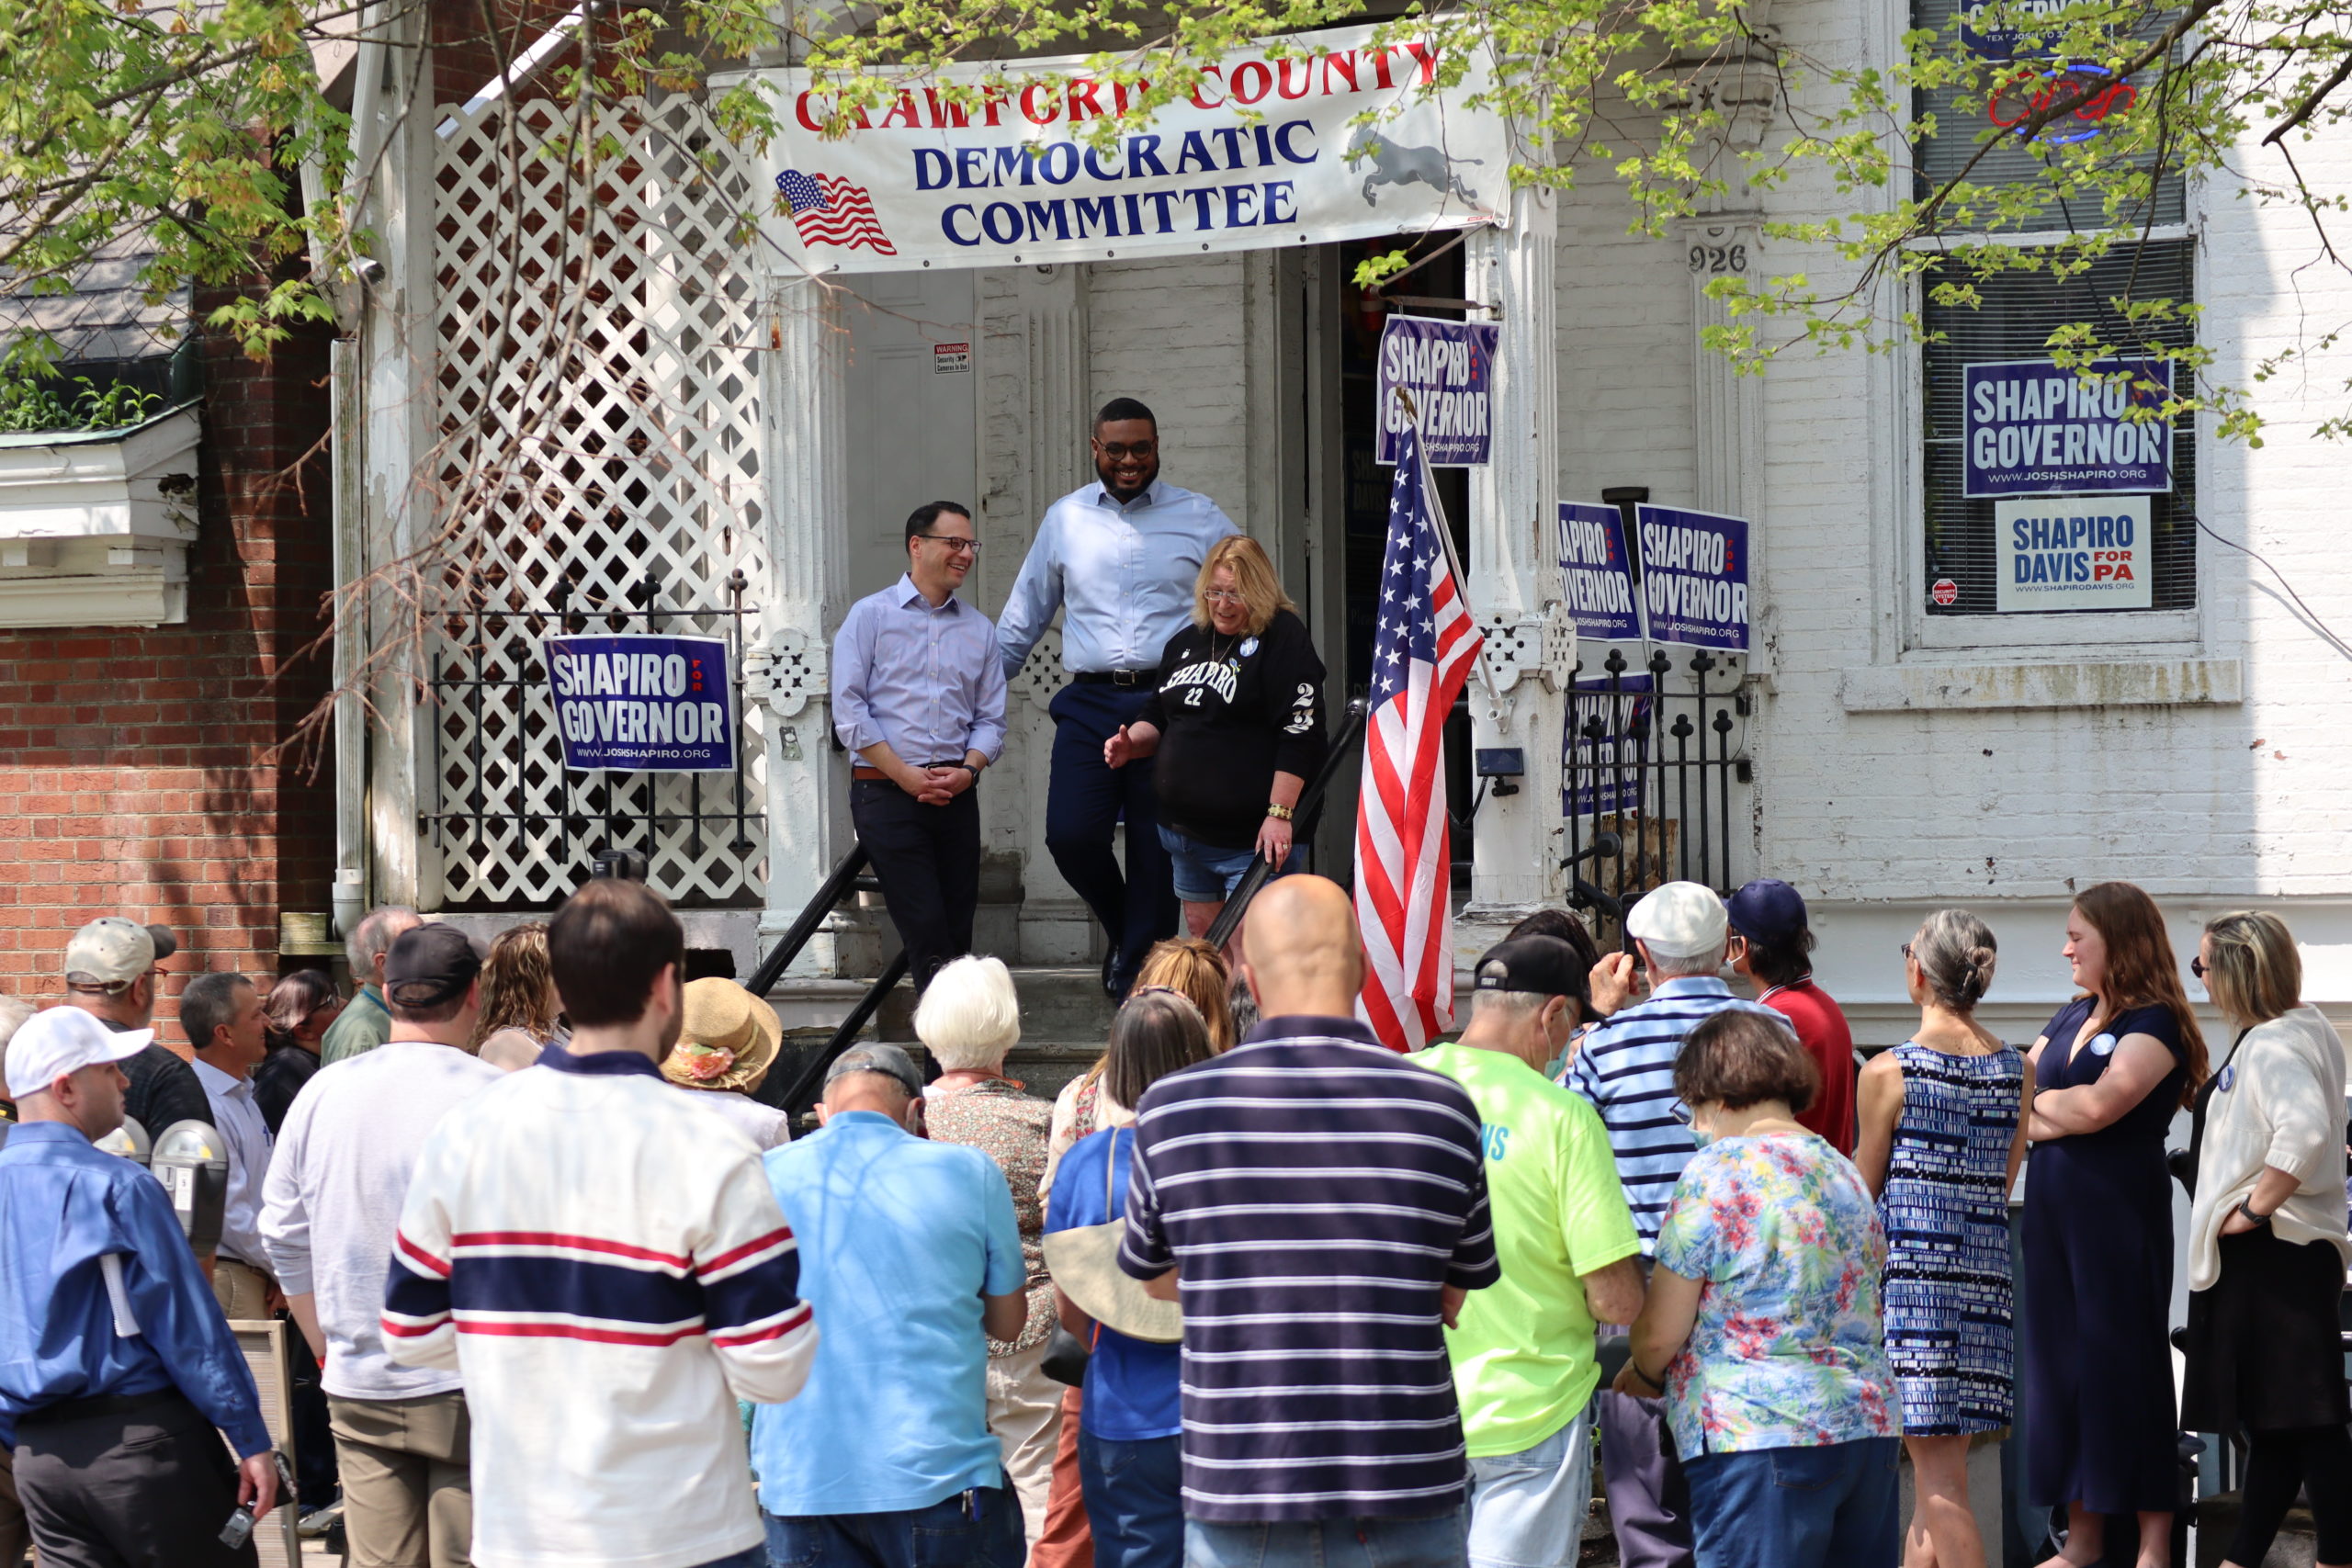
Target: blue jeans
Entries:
(980, 1529)
(1328, 1543)
(750, 1557)
(1135, 1499)
(1834, 1506)
(1527, 1509)
(1085, 799)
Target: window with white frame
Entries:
(2040, 495)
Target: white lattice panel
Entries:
(598, 398)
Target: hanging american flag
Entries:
(1425, 647)
(829, 210)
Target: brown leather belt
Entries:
(860, 771)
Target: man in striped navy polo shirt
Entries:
(1320, 1205)
(1626, 1068)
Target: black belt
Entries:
(1112, 677)
(101, 1404)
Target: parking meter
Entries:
(129, 1141)
(191, 1160)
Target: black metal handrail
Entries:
(1310, 801)
(802, 1094)
(832, 891)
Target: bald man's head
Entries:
(1300, 949)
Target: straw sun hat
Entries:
(728, 1040)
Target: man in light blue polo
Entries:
(1121, 557)
(911, 1260)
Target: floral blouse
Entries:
(996, 1117)
(1788, 1350)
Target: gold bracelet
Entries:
(1278, 811)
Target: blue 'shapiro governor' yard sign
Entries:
(1595, 578)
(2029, 427)
(1449, 369)
(636, 703)
(1694, 577)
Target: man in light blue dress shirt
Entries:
(1121, 556)
(918, 695)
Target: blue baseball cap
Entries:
(1766, 912)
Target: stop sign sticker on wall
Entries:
(1945, 592)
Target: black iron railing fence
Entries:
(527, 830)
(1650, 761)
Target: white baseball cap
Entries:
(64, 1040)
(1679, 920)
(112, 950)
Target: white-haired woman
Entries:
(967, 1019)
(2266, 1242)
(1236, 724)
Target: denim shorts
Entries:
(1207, 873)
(1527, 1509)
(1327, 1543)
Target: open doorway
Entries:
(1356, 316)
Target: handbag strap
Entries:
(1111, 1179)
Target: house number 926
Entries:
(1718, 258)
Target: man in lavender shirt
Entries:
(919, 696)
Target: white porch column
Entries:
(1515, 577)
(1727, 408)
(1034, 421)
(395, 367)
(808, 801)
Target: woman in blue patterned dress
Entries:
(1942, 1134)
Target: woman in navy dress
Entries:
(1942, 1130)
(2109, 1072)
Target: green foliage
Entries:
(32, 402)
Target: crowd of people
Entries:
(1252, 1290)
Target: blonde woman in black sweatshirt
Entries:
(1237, 724)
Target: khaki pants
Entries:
(407, 1497)
(241, 1289)
(1025, 1414)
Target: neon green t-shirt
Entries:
(1522, 1358)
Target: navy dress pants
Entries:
(927, 859)
(1085, 802)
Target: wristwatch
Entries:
(2245, 1207)
(971, 770)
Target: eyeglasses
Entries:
(1683, 1113)
(955, 547)
(1117, 449)
(2197, 968)
(1224, 596)
(1906, 949)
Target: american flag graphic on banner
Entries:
(832, 211)
(1424, 650)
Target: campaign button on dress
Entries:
(2103, 1045)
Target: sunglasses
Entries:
(2197, 968)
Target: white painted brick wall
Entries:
(2208, 801)
(1171, 333)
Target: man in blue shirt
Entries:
(918, 695)
(118, 1374)
(1122, 557)
(910, 1259)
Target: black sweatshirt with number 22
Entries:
(1232, 712)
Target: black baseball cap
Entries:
(1543, 965)
(430, 965)
(1767, 910)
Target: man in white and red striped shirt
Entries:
(606, 1266)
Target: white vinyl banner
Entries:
(1264, 152)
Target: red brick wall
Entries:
(135, 768)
